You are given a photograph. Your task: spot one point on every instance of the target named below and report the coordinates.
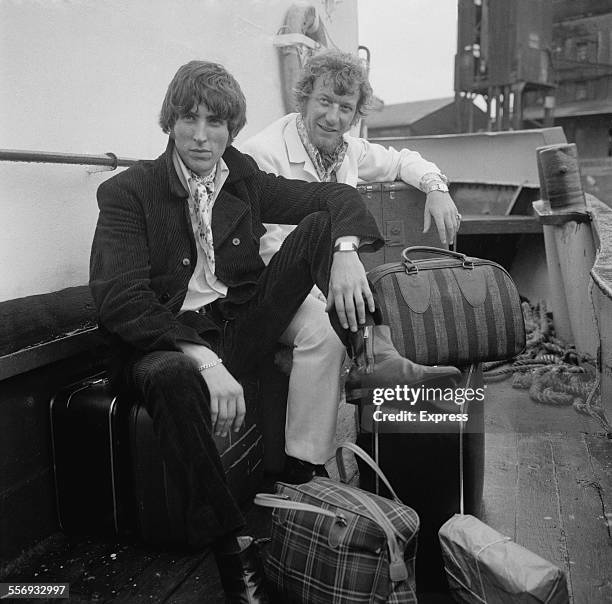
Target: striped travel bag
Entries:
(449, 308)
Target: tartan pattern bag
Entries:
(332, 542)
(449, 310)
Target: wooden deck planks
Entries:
(585, 529)
(539, 521)
(78, 561)
(114, 571)
(61, 559)
(500, 482)
(107, 574)
(202, 582)
(600, 456)
(563, 499)
(159, 580)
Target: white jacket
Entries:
(279, 150)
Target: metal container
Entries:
(500, 43)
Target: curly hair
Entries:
(345, 70)
(204, 82)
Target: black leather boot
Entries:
(298, 472)
(242, 574)
(377, 364)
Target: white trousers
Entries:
(314, 383)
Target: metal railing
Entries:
(109, 160)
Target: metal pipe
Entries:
(45, 157)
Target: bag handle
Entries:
(269, 500)
(359, 452)
(397, 565)
(432, 250)
(468, 383)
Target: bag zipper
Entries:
(377, 273)
(351, 510)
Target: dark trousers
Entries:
(177, 398)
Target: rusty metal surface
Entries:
(498, 225)
(547, 216)
(493, 199)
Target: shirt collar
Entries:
(295, 149)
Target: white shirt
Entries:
(278, 149)
(203, 287)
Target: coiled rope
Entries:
(553, 371)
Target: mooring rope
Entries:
(553, 371)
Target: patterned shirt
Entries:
(204, 287)
(326, 164)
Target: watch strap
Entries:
(433, 181)
(345, 246)
(436, 186)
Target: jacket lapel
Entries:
(296, 151)
(229, 209)
(342, 175)
(174, 182)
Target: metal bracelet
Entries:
(209, 365)
(431, 178)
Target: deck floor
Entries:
(548, 485)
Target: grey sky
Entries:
(413, 45)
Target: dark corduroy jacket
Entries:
(144, 250)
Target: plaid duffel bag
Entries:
(449, 308)
(332, 542)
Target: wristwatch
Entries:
(436, 186)
(345, 246)
(433, 181)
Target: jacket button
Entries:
(186, 262)
(165, 297)
(236, 241)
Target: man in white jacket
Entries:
(332, 94)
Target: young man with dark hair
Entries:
(178, 282)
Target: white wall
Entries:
(89, 76)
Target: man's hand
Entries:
(441, 208)
(349, 291)
(227, 406)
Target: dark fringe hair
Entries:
(204, 82)
(344, 69)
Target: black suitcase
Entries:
(89, 437)
(422, 464)
(110, 477)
